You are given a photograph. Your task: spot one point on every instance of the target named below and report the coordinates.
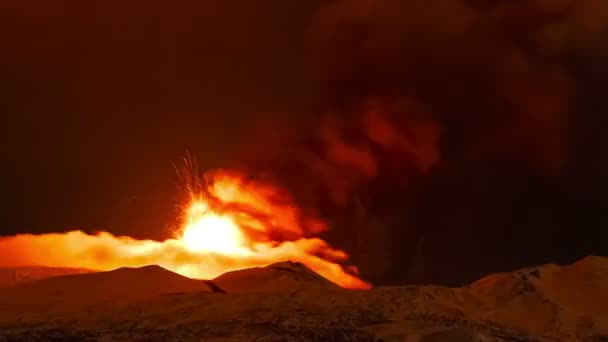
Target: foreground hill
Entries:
(77, 294)
(288, 302)
(276, 278)
(572, 298)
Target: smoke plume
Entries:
(496, 75)
(476, 89)
(500, 80)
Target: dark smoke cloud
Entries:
(491, 71)
(502, 82)
(443, 120)
(332, 158)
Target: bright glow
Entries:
(249, 225)
(213, 233)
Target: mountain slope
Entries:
(73, 294)
(572, 299)
(288, 302)
(279, 277)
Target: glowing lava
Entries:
(231, 223)
(209, 232)
(213, 233)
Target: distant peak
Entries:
(593, 260)
(289, 264)
(148, 268)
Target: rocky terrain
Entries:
(288, 302)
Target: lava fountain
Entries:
(230, 223)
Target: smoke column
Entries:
(428, 108)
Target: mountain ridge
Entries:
(291, 302)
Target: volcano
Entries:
(289, 302)
(280, 277)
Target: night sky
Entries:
(99, 98)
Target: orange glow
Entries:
(213, 233)
(232, 224)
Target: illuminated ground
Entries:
(288, 302)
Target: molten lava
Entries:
(209, 232)
(231, 223)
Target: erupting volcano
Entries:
(230, 223)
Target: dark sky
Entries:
(98, 99)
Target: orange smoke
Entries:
(230, 224)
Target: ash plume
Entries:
(479, 89)
(496, 75)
